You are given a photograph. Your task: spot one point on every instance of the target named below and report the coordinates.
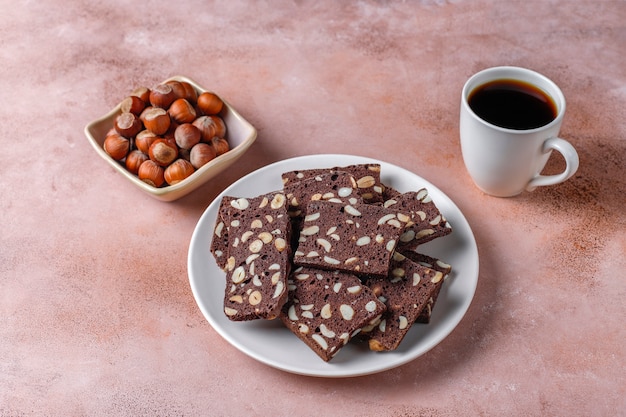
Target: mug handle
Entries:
(571, 164)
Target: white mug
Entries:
(502, 161)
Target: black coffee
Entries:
(512, 104)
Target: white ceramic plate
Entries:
(271, 343)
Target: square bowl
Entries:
(240, 135)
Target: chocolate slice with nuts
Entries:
(437, 265)
(367, 178)
(428, 221)
(219, 242)
(336, 187)
(405, 292)
(325, 309)
(356, 238)
(258, 262)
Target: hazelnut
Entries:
(132, 104)
(151, 173)
(177, 87)
(182, 111)
(162, 96)
(187, 135)
(156, 120)
(163, 151)
(134, 159)
(191, 95)
(127, 125)
(116, 146)
(143, 93)
(209, 103)
(207, 127)
(144, 139)
(201, 154)
(220, 126)
(178, 171)
(220, 145)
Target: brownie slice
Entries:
(336, 187)
(437, 265)
(325, 309)
(428, 221)
(258, 262)
(405, 292)
(219, 242)
(356, 238)
(367, 179)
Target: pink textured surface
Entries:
(97, 316)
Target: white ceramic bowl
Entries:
(239, 133)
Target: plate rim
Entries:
(332, 371)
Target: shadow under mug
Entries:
(504, 162)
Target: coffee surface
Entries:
(512, 104)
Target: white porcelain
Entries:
(504, 162)
(240, 135)
(269, 342)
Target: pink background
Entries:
(97, 315)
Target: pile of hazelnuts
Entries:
(164, 134)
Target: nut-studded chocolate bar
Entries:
(437, 265)
(405, 292)
(337, 187)
(258, 262)
(356, 238)
(367, 178)
(428, 221)
(325, 309)
(219, 242)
